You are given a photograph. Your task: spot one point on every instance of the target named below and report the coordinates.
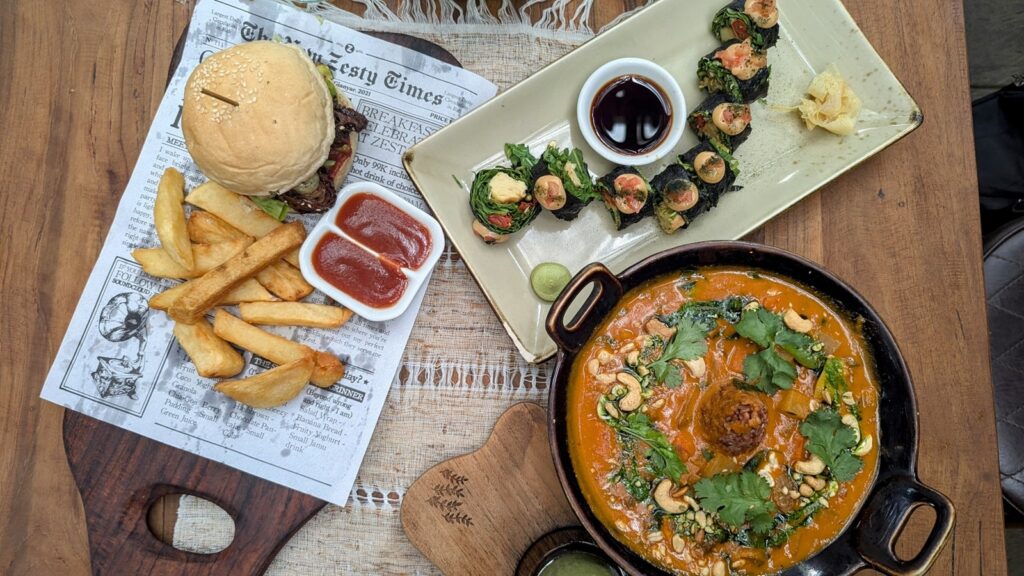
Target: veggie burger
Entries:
(263, 120)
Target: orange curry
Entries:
(724, 421)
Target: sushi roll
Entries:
(714, 168)
(501, 202)
(719, 118)
(754, 19)
(626, 194)
(561, 182)
(678, 198)
(735, 69)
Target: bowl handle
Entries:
(886, 515)
(571, 337)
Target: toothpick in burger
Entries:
(263, 120)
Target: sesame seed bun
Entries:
(280, 132)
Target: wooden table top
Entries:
(82, 80)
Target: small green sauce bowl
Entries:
(566, 552)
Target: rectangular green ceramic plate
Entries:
(781, 163)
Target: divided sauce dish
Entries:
(393, 244)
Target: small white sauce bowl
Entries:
(416, 278)
(631, 67)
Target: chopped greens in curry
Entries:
(723, 422)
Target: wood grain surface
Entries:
(81, 82)
(479, 512)
(121, 474)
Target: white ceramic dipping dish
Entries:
(631, 67)
(327, 225)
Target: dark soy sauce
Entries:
(631, 114)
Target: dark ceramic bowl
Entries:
(869, 537)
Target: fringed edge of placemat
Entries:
(446, 16)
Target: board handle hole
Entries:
(182, 514)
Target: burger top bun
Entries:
(279, 133)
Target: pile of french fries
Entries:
(230, 252)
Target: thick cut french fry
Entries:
(271, 388)
(328, 369)
(169, 216)
(295, 314)
(238, 211)
(213, 357)
(248, 291)
(211, 287)
(280, 278)
(284, 281)
(205, 228)
(163, 300)
(156, 261)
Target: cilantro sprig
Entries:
(832, 441)
(767, 370)
(738, 498)
(661, 456)
(688, 343)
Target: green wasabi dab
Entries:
(548, 279)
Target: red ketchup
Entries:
(385, 229)
(371, 279)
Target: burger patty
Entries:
(346, 121)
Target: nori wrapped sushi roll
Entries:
(713, 167)
(754, 19)
(627, 195)
(500, 197)
(735, 69)
(677, 198)
(721, 119)
(561, 182)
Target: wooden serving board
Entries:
(120, 475)
(478, 513)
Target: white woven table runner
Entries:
(460, 370)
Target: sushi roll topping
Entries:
(669, 220)
(731, 119)
(742, 60)
(549, 192)
(710, 167)
(680, 194)
(764, 13)
(629, 194)
(486, 235)
(505, 189)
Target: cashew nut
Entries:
(865, 446)
(719, 568)
(851, 421)
(796, 322)
(659, 328)
(810, 467)
(612, 411)
(678, 544)
(697, 367)
(663, 496)
(815, 482)
(806, 490)
(631, 401)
